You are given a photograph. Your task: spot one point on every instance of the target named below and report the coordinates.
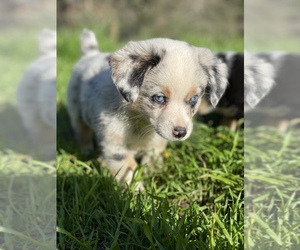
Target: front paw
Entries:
(129, 180)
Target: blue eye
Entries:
(159, 99)
(193, 100)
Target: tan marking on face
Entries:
(167, 91)
(193, 91)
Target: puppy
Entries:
(140, 97)
(36, 97)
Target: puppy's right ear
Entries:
(217, 73)
(130, 65)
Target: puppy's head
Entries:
(89, 44)
(165, 79)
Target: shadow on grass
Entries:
(96, 201)
(64, 136)
(101, 214)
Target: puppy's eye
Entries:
(194, 100)
(159, 99)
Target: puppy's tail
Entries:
(89, 44)
(47, 42)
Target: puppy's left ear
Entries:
(130, 65)
(217, 74)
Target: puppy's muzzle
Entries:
(179, 132)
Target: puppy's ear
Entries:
(259, 79)
(129, 66)
(217, 74)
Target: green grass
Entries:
(272, 219)
(194, 201)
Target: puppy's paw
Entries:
(128, 176)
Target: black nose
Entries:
(179, 132)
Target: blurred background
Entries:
(214, 24)
(137, 19)
(272, 25)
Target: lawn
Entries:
(194, 201)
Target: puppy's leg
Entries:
(122, 166)
(118, 158)
(153, 156)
